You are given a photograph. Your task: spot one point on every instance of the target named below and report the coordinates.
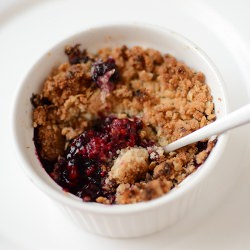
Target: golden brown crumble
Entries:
(171, 99)
(130, 166)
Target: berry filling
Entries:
(89, 157)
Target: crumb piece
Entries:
(103, 200)
(163, 169)
(127, 193)
(201, 157)
(51, 142)
(130, 166)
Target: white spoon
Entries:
(233, 120)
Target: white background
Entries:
(28, 219)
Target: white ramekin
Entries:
(118, 220)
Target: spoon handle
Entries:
(230, 121)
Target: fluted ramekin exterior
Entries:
(132, 224)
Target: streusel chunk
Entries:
(130, 166)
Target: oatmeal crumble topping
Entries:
(100, 119)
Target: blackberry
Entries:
(105, 74)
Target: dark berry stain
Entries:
(201, 146)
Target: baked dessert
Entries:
(101, 118)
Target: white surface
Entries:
(28, 218)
